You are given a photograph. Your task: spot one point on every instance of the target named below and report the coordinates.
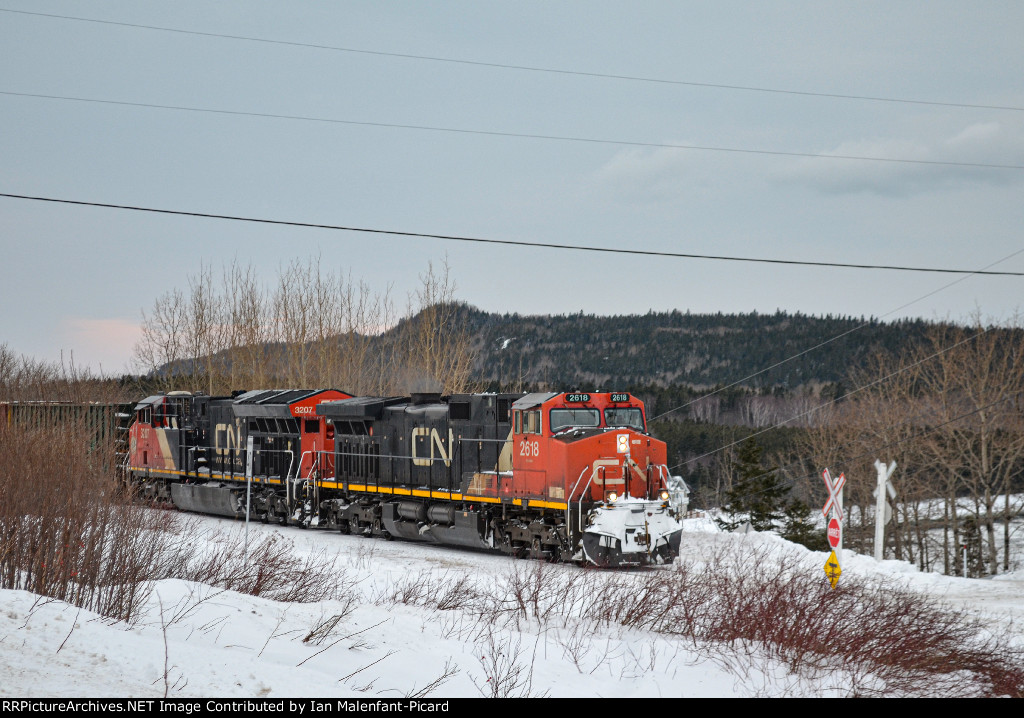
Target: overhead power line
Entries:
(847, 395)
(528, 68)
(828, 341)
(523, 135)
(883, 446)
(507, 242)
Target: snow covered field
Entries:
(199, 641)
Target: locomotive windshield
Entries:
(629, 417)
(564, 418)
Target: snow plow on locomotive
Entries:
(559, 476)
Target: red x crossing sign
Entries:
(834, 488)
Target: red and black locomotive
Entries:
(561, 476)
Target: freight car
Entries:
(560, 476)
(104, 424)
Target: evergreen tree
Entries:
(757, 494)
(970, 536)
(799, 528)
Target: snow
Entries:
(194, 640)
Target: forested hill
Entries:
(589, 352)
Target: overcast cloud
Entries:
(358, 151)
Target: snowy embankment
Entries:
(406, 623)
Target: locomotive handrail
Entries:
(291, 462)
(299, 470)
(188, 459)
(661, 469)
(568, 506)
(579, 504)
(573, 491)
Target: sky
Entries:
(423, 118)
(196, 641)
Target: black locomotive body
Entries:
(405, 466)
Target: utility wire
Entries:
(508, 242)
(521, 135)
(527, 68)
(887, 445)
(885, 378)
(826, 342)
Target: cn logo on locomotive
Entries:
(435, 443)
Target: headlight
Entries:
(663, 495)
(612, 496)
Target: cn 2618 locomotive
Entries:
(560, 476)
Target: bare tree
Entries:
(202, 330)
(946, 414)
(436, 344)
(976, 385)
(163, 343)
(706, 408)
(248, 330)
(313, 328)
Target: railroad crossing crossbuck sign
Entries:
(833, 512)
(834, 487)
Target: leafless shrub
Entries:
(67, 533)
(359, 643)
(180, 682)
(505, 671)
(323, 629)
(365, 556)
(458, 592)
(537, 590)
(409, 590)
(576, 643)
(887, 639)
(26, 379)
(444, 591)
(186, 605)
(64, 532)
(876, 636)
(271, 571)
(462, 627)
(450, 671)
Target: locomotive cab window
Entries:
(630, 417)
(565, 418)
(531, 421)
